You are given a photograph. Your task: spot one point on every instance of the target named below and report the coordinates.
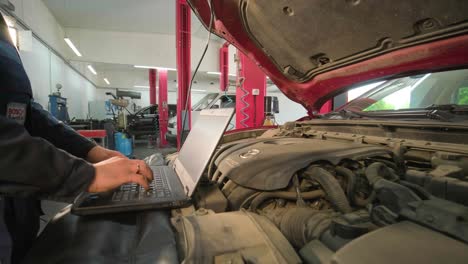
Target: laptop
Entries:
(173, 186)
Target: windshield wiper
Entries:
(447, 112)
(343, 114)
(454, 108)
(440, 115)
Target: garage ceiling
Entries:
(127, 77)
(141, 16)
(146, 16)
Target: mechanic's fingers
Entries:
(134, 166)
(139, 179)
(145, 170)
(140, 167)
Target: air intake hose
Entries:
(334, 192)
(379, 170)
(257, 201)
(301, 225)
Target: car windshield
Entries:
(204, 102)
(418, 92)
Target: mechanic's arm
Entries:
(46, 126)
(33, 165)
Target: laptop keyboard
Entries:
(158, 188)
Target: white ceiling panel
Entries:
(147, 16)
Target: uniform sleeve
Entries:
(33, 165)
(46, 126)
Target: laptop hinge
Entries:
(184, 177)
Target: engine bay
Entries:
(295, 195)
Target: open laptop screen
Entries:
(201, 143)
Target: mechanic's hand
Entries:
(98, 154)
(116, 171)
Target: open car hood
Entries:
(313, 50)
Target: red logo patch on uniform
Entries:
(17, 112)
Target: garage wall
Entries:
(38, 17)
(37, 65)
(44, 68)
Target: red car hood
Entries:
(313, 50)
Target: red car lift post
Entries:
(152, 86)
(152, 90)
(183, 35)
(250, 95)
(163, 107)
(224, 67)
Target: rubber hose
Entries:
(389, 164)
(331, 186)
(377, 171)
(248, 200)
(350, 179)
(284, 195)
(301, 225)
(363, 202)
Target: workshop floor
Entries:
(141, 151)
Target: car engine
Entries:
(300, 195)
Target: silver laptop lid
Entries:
(200, 145)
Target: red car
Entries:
(382, 179)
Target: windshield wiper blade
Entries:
(447, 112)
(344, 114)
(414, 114)
(454, 108)
(442, 115)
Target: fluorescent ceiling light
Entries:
(169, 69)
(107, 81)
(141, 86)
(154, 67)
(72, 46)
(195, 90)
(214, 73)
(91, 69)
(145, 67)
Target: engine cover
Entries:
(270, 165)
